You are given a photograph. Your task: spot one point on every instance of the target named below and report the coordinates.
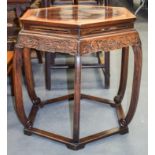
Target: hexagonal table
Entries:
(77, 30)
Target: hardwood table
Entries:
(77, 30)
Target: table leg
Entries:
(45, 3)
(107, 2)
(19, 108)
(107, 70)
(124, 74)
(77, 96)
(39, 56)
(135, 85)
(49, 62)
(75, 2)
(29, 77)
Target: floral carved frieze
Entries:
(109, 42)
(70, 45)
(47, 43)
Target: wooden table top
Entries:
(77, 16)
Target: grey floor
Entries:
(94, 117)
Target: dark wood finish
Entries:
(75, 1)
(121, 116)
(17, 65)
(39, 56)
(136, 81)
(29, 77)
(100, 135)
(58, 99)
(49, 135)
(123, 77)
(73, 37)
(49, 61)
(98, 99)
(120, 113)
(48, 70)
(83, 141)
(77, 97)
(104, 60)
(83, 96)
(33, 114)
(71, 66)
(107, 70)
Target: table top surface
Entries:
(77, 15)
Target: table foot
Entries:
(124, 131)
(26, 132)
(75, 147)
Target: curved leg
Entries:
(77, 83)
(135, 86)
(19, 108)
(29, 77)
(124, 74)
